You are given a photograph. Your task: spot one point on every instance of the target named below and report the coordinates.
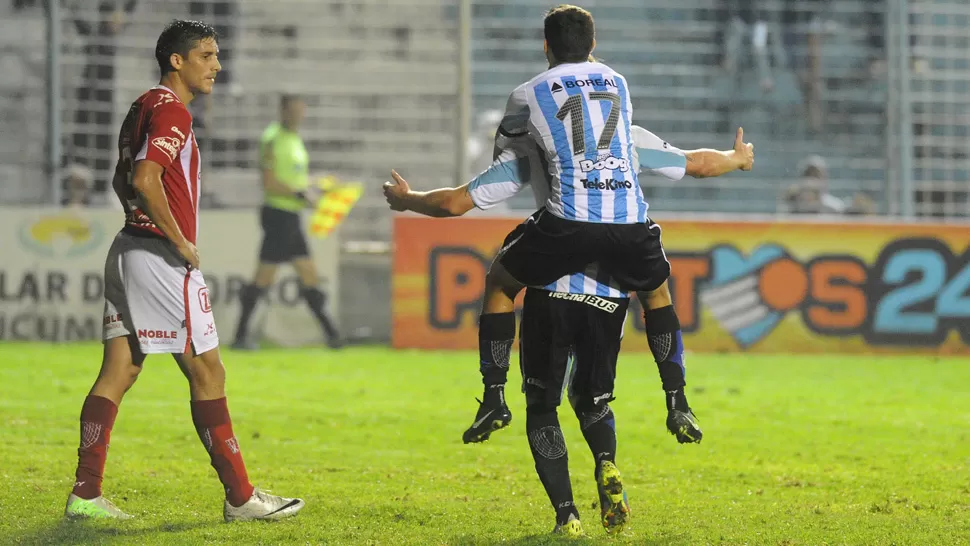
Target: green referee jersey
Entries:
(283, 152)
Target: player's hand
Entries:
(395, 192)
(743, 152)
(191, 254)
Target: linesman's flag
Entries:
(333, 207)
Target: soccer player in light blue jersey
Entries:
(580, 313)
(579, 113)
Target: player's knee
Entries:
(205, 371)
(590, 411)
(498, 280)
(251, 293)
(655, 299)
(314, 296)
(539, 400)
(121, 377)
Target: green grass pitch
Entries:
(797, 450)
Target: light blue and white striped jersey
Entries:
(520, 161)
(580, 115)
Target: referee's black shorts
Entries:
(556, 325)
(546, 248)
(283, 237)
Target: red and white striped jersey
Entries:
(158, 128)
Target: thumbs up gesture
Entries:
(743, 152)
(395, 192)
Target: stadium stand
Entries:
(381, 83)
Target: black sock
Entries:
(248, 298)
(494, 396)
(599, 429)
(496, 333)
(667, 346)
(316, 300)
(552, 461)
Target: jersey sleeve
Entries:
(169, 126)
(515, 121)
(656, 156)
(514, 167)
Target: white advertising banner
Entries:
(52, 275)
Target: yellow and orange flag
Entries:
(333, 207)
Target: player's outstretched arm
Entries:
(511, 170)
(706, 163)
(440, 203)
(147, 181)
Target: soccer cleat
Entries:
(96, 508)
(490, 417)
(571, 529)
(263, 506)
(614, 506)
(684, 426)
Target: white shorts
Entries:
(149, 292)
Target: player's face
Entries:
(200, 69)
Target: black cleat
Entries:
(490, 417)
(684, 426)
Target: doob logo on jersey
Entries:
(915, 292)
(61, 235)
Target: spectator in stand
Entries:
(77, 187)
(97, 22)
(811, 194)
(748, 17)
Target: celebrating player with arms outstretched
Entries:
(583, 312)
(156, 300)
(595, 211)
(580, 114)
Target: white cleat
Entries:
(263, 506)
(96, 508)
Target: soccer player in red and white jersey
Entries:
(156, 300)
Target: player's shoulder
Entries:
(644, 139)
(162, 101)
(270, 132)
(520, 93)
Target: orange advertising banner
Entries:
(782, 287)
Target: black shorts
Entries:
(556, 326)
(283, 237)
(546, 248)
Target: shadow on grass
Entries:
(96, 532)
(549, 539)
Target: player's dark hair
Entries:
(569, 31)
(180, 36)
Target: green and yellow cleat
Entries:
(96, 508)
(571, 529)
(614, 506)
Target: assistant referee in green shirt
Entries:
(286, 187)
